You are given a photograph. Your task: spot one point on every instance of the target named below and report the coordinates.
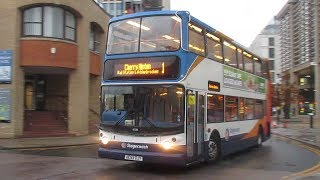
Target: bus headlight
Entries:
(166, 145)
(104, 140)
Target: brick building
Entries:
(51, 52)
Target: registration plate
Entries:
(133, 158)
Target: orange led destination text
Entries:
(215, 87)
(139, 69)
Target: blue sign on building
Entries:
(5, 66)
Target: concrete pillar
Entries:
(79, 83)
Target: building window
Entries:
(271, 41)
(94, 42)
(271, 52)
(49, 21)
(271, 65)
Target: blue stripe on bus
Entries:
(236, 143)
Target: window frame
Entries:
(96, 39)
(42, 23)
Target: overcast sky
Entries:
(242, 20)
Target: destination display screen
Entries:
(214, 86)
(142, 68)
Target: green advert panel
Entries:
(242, 80)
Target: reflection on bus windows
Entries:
(214, 47)
(196, 40)
(249, 108)
(230, 56)
(164, 38)
(257, 66)
(231, 111)
(215, 108)
(258, 109)
(240, 59)
(248, 62)
(124, 35)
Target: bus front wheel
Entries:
(214, 150)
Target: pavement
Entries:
(48, 142)
(297, 128)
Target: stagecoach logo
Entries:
(226, 135)
(134, 146)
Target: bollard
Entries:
(311, 119)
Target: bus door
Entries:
(195, 124)
(200, 123)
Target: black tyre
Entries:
(214, 150)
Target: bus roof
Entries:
(193, 19)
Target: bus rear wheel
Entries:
(214, 149)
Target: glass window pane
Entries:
(70, 20)
(215, 110)
(231, 111)
(214, 47)
(91, 40)
(32, 29)
(257, 67)
(32, 15)
(157, 37)
(240, 59)
(70, 33)
(123, 36)
(53, 22)
(271, 52)
(258, 109)
(230, 56)
(248, 63)
(196, 40)
(249, 108)
(241, 109)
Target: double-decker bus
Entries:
(177, 91)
